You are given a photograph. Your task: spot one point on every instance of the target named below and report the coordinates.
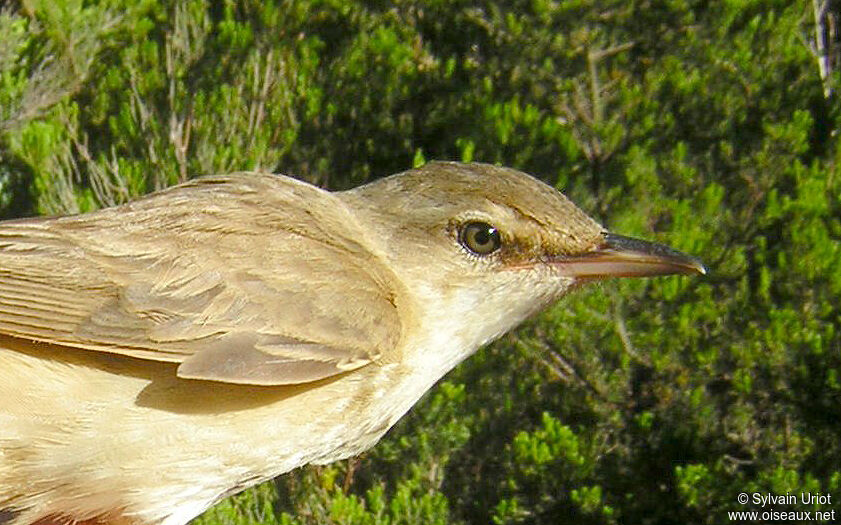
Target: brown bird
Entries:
(158, 356)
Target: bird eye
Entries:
(480, 238)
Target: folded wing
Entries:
(247, 278)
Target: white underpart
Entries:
(501, 305)
(249, 444)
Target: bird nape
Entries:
(160, 355)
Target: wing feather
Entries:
(247, 278)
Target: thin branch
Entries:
(622, 330)
(819, 10)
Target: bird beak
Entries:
(620, 256)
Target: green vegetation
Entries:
(707, 125)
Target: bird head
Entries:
(495, 243)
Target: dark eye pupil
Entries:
(480, 238)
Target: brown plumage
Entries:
(158, 356)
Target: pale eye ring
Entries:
(480, 238)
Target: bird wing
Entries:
(247, 278)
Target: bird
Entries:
(163, 354)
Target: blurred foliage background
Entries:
(711, 126)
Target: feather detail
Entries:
(256, 295)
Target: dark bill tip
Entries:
(621, 256)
